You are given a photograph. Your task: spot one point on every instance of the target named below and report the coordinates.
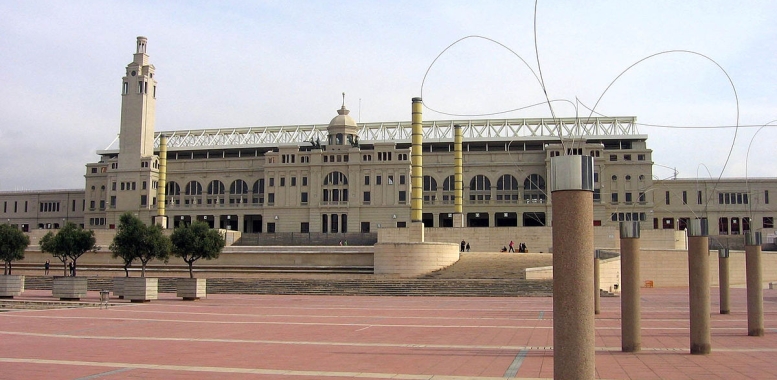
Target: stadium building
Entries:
(348, 177)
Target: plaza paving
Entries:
(340, 337)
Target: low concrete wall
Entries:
(537, 239)
(413, 259)
(669, 268)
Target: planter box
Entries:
(140, 289)
(69, 288)
(191, 289)
(11, 285)
(118, 286)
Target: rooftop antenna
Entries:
(343, 99)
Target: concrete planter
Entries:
(69, 288)
(191, 289)
(140, 289)
(11, 285)
(118, 286)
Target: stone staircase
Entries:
(339, 286)
(476, 274)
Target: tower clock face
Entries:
(133, 73)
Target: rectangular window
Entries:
(143, 200)
(144, 185)
(391, 180)
(403, 196)
(133, 185)
(720, 198)
(597, 195)
(614, 197)
(640, 157)
(365, 227)
(304, 181)
(378, 180)
(642, 197)
(366, 197)
(667, 197)
(366, 180)
(628, 197)
(294, 181)
(627, 157)
(25, 205)
(113, 201)
(768, 222)
(303, 198)
(304, 227)
(122, 186)
(698, 197)
(613, 157)
(270, 199)
(401, 179)
(91, 205)
(102, 205)
(272, 181)
(113, 186)
(596, 177)
(685, 197)
(766, 197)
(283, 181)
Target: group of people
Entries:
(464, 245)
(521, 247)
(69, 264)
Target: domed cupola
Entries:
(342, 130)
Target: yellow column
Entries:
(416, 162)
(162, 186)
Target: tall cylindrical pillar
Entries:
(631, 336)
(161, 192)
(573, 308)
(416, 162)
(597, 284)
(458, 164)
(699, 285)
(723, 280)
(755, 299)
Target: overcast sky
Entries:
(232, 64)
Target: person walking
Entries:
(463, 245)
(46, 267)
(467, 247)
(512, 248)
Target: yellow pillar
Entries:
(162, 186)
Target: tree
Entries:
(13, 242)
(197, 241)
(135, 240)
(155, 246)
(69, 244)
(128, 237)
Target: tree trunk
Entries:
(143, 269)
(74, 268)
(126, 270)
(191, 274)
(9, 268)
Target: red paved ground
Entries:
(311, 337)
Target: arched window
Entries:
(507, 189)
(193, 193)
(479, 189)
(238, 191)
(193, 188)
(430, 190)
(215, 188)
(172, 193)
(335, 191)
(448, 189)
(534, 189)
(258, 191)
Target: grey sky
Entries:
(236, 64)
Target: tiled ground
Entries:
(312, 337)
